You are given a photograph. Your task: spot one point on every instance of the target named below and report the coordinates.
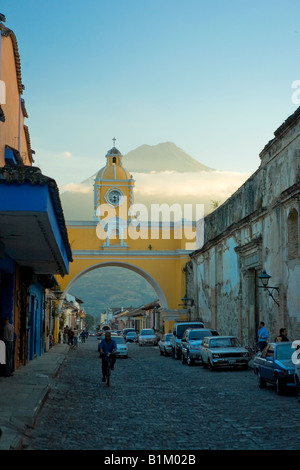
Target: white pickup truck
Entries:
(178, 330)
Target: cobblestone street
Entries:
(156, 403)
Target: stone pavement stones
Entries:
(157, 403)
(22, 395)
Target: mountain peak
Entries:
(165, 156)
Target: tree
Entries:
(89, 321)
(214, 204)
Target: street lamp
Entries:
(265, 277)
(186, 301)
(57, 294)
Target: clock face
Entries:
(114, 197)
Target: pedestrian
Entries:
(263, 336)
(66, 336)
(8, 335)
(70, 337)
(75, 337)
(83, 335)
(282, 336)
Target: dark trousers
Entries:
(9, 356)
(104, 363)
(262, 345)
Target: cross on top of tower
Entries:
(114, 141)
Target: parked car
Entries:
(164, 344)
(223, 351)
(178, 331)
(126, 330)
(275, 366)
(122, 348)
(131, 337)
(191, 344)
(147, 336)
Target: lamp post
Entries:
(188, 303)
(265, 277)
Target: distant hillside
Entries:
(129, 290)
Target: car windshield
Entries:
(197, 334)
(147, 332)
(168, 337)
(224, 343)
(119, 339)
(284, 352)
(131, 333)
(181, 328)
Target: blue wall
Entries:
(7, 288)
(37, 317)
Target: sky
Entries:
(214, 77)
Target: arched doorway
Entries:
(154, 284)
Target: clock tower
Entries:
(113, 198)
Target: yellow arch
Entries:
(160, 294)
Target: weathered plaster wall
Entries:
(256, 228)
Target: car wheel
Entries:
(190, 361)
(298, 389)
(279, 386)
(184, 360)
(261, 382)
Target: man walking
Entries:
(263, 336)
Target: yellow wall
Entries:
(162, 263)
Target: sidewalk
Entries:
(22, 395)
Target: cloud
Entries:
(67, 154)
(197, 188)
(77, 188)
(217, 185)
